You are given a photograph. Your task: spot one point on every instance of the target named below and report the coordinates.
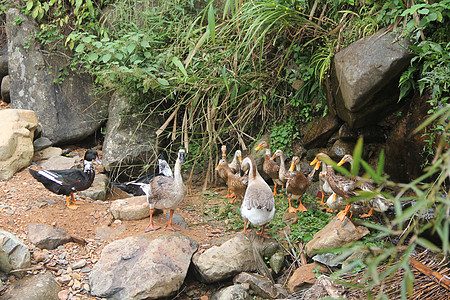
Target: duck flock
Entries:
(166, 190)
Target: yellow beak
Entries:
(291, 168)
(258, 147)
(341, 162)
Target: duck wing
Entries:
(63, 181)
(259, 197)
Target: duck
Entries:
(235, 165)
(282, 173)
(69, 181)
(325, 188)
(341, 186)
(163, 192)
(134, 187)
(378, 203)
(222, 172)
(236, 183)
(296, 184)
(270, 167)
(258, 205)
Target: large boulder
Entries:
(140, 267)
(130, 139)
(16, 140)
(36, 287)
(365, 78)
(14, 254)
(66, 109)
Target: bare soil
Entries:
(23, 200)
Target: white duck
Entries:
(165, 193)
(258, 205)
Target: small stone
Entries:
(85, 270)
(63, 295)
(39, 256)
(76, 285)
(64, 279)
(79, 264)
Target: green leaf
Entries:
(162, 81)
(211, 23)
(427, 244)
(79, 48)
(106, 57)
(92, 57)
(423, 11)
(180, 66)
(131, 48)
(380, 166)
(119, 56)
(357, 153)
(145, 44)
(29, 5)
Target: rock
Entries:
(98, 189)
(47, 237)
(63, 295)
(79, 264)
(330, 259)
(14, 254)
(68, 110)
(231, 258)
(5, 89)
(324, 288)
(404, 151)
(39, 256)
(304, 274)
(132, 208)
(106, 233)
(335, 234)
(317, 132)
(3, 61)
(339, 149)
(36, 287)
(48, 152)
(364, 79)
(60, 163)
(260, 285)
(140, 267)
(42, 143)
(130, 138)
(371, 134)
(16, 140)
(234, 292)
(178, 220)
(277, 261)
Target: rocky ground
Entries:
(23, 200)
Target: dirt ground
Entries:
(23, 200)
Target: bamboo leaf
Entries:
(212, 23)
(357, 153)
(180, 66)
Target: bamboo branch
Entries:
(442, 280)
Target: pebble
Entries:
(79, 264)
(64, 278)
(63, 295)
(85, 270)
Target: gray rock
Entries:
(67, 110)
(335, 234)
(47, 237)
(5, 89)
(140, 267)
(277, 261)
(48, 152)
(234, 292)
(130, 139)
(98, 189)
(41, 143)
(261, 286)
(231, 258)
(317, 132)
(3, 61)
(36, 287)
(132, 208)
(79, 264)
(339, 149)
(14, 254)
(365, 78)
(178, 220)
(60, 163)
(330, 259)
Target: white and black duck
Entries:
(67, 182)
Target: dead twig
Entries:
(442, 280)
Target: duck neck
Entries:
(88, 169)
(177, 171)
(253, 172)
(268, 152)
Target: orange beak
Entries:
(258, 147)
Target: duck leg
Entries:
(291, 209)
(262, 232)
(151, 226)
(232, 200)
(368, 214)
(341, 215)
(228, 195)
(301, 207)
(245, 227)
(321, 200)
(69, 202)
(275, 190)
(169, 223)
(73, 199)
